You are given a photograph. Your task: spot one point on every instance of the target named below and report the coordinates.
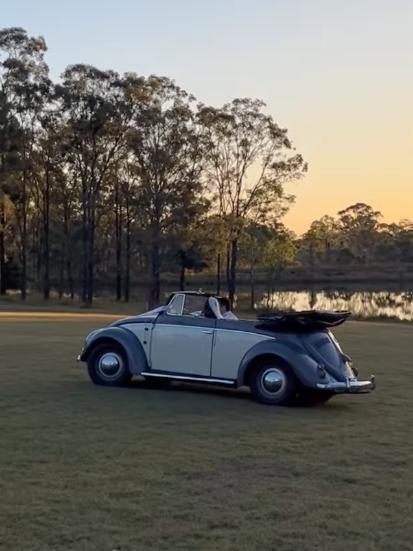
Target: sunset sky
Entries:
(337, 73)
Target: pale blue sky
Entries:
(337, 73)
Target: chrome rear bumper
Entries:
(350, 385)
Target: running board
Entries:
(189, 378)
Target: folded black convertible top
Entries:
(304, 320)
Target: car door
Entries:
(181, 339)
(233, 339)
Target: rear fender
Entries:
(290, 352)
(130, 344)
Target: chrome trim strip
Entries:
(189, 378)
(265, 336)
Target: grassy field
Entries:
(190, 468)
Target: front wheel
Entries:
(273, 384)
(107, 366)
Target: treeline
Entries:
(355, 241)
(107, 181)
(105, 176)
(356, 236)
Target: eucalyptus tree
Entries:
(121, 207)
(253, 243)
(250, 158)
(212, 234)
(278, 254)
(320, 241)
(9, 136)
(68, 229)
(395, 243)
(97, 119)
(188, 242)
(359, 226)
(131, 225)
(47, 177)
(167, 154)
(23, 87)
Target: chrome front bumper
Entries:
(350, 385)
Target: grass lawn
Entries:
(189, 468)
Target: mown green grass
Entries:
(195, 468)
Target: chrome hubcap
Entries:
(109, 365)
(273, 381)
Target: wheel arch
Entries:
(287, 353)
(123, 338)
(100, 341)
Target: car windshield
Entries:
(176, 304)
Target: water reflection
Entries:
(361, 303)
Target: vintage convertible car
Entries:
(282, 357)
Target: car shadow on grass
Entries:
(242, 393)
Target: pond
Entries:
(368, 304)
(386, 301)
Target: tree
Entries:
(167, 153)
(359, 225)
(93, 101)
(249, 159)
(278, 254)
(253, 242)
(23, 87)
(318, 243)
(395, 242)
(9, 133)
(48, 179)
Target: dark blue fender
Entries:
(290, 351)
(133, 349)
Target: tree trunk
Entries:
(3, 282)
(311, 261)
(182, 277)
(46, 234)
(90, 265)
(70, 278)
(84, 243)
(67, 251)
(61, 274)
(227, 265)
(88, 236)
(118, 245)
(38, 246)
(233, 272)
(155, 285)
(126, 286)
(23, 287)
(218, 273)
(252, 285)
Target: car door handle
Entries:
(207, 332)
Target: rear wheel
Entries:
(107, 366)
(273, 384)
